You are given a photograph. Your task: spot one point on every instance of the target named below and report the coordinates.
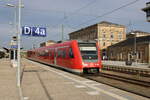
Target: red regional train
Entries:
(75, 56)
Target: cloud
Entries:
(51, 14)
(5, 34)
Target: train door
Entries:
(55, 56)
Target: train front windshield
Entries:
(88, 52)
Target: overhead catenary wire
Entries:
(109, 12)
(77, 10)
(96, 16)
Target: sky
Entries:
(73, 14)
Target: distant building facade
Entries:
(106, 33)
(137, 34)
(4, 52)
(47, 43)
(124, 50)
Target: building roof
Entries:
(83, 29)
(138, 31)
(110, 23)
(51, 41)
(1, 50)
(100, 23)
(130, 41)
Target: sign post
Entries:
(29, 31)
(26, 31)
(19, 37)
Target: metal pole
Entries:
(149, 54)
(62, 32)
(15, 28)
(14, 55)
(135, 53)
(19, 31)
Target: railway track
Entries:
(128, 84)
(125, 79)
(119, 78)
(128, 70)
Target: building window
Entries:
(104, 36)
(95, 35)
(111, 53)
(104, 44)
(88, 37)
(111, 36)
(119, 36)
(120, 32)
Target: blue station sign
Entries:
(14, 46)
(34, 31)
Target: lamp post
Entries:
(18, 32)
(15, 14)
(15, 22)
(15, 28)
(135, 53)
(19, 38)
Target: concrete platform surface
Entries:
(8, 85)
(122, 63)
(42, 82)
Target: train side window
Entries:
(54, 54)
(58, 53)
(71, 53)
(64, 53)
(50, 54)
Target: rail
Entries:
(128, 70)
(139, 87)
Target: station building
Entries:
(2, 53)
(47, 43)
(106, 33)
(137, 33)
(124, 50)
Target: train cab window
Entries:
(88, 52)
(71, 53)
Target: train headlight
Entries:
(84, 64)
(97, 64)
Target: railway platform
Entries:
(139, 69)
(122, 63)
(42, 82)
(8, 84)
